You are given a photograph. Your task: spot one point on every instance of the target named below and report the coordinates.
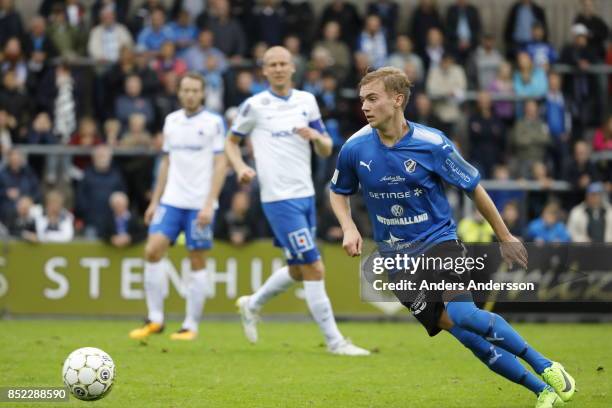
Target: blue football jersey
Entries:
(403, 185)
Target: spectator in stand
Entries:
(484, 63)
(404, 54)
(56, 223)
(596, 26)
(502, 86)
(67, 39)
(299, 20)
(75, 14)
(424, 114)
(434, 49)
(241, 91)
(268, 23)
(580, 171)
(184, 32)
(447, 83)
(7, 125)
(93, 192)
(143, 15)
(361, 63)
(373, 41)
(463, 29)
(14, 60)
(581, 88)
(167, 62)
(120, 7)
(346, 14)
(10, 22)
(133, 102)
(523, 15)
(108, 38)
(61, 95)
(16, 103)
(197, 55)
(424, 18)
(39, 50)
(16, 180)
(557, 119)
(529, 81)
(512, 218)
(486, 137)
(238, 224)
(86, 136)
(112, 132)
(23, 224)
(602, 140)
(47, 167)
(548, 228)
(227, 32)
(529, 141)
(122, 229)
(154, 34)
(166, 101)
(591, 220)
(501, 174)
(542, 53)
(339, 51)
(388, 11)
(136, 134)
(475, 229)
(294, 45)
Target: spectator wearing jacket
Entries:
(591, 220)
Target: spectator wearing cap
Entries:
(596, 26)
(591, 220)
(580, 87)
(548, 228)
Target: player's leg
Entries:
(494, 328)
(163, 230)
(199, 241)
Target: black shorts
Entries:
(427, 305)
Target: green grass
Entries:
(290, 368)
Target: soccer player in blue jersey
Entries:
(400, 168)
(283, 123)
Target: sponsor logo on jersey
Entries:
(366, 165)
(334, 179)
(392, 180)
(454, 168)
(389, 195)
(397, 210)
(416, 219)
(282, 133)
(410, 166)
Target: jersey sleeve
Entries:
(314, 116)
(219, 137)
(245, 121)
(453, 168)
(344, 180)
(166, 143)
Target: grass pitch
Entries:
(289, 367)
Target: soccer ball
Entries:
(89, 373)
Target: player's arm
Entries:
(352, 241)
(511, 247)
(232, 151)
(321, 141)
(160, 185)
(205, 216)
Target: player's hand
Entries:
(246, 174)
(149, 213)
(352, 242)
(205, 216)
(513, 250)
(307, 133)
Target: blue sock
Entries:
(496, 330)
(498, 360)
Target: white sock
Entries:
(278, 282)
(196, 295)
(155, 286)
(321, 310)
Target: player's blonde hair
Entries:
(394, 79)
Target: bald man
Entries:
(285, 126)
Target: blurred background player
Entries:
(423, 158)
(283, 122)
(190, 178)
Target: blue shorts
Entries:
(294, 224)
(170, 221)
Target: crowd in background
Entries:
(106, 76)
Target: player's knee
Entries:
(295, 272)
(152, 252)
(197, 260)
(313, 271)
